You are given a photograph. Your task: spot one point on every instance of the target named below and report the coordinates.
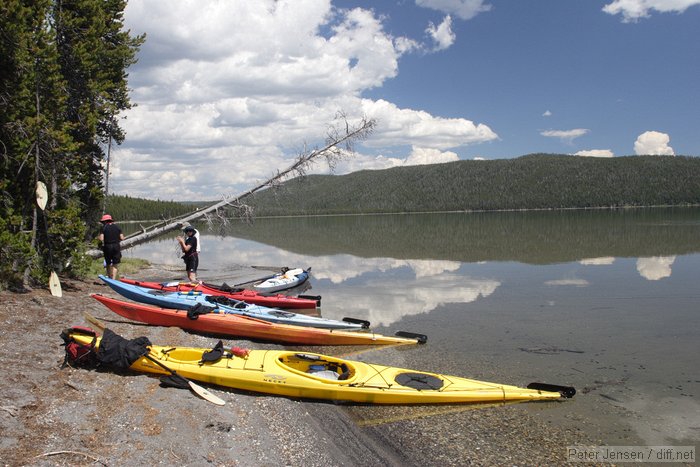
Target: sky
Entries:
(228, 92)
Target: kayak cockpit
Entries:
(181, 354)
(315, 366)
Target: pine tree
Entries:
(62, 85)
(95, 52)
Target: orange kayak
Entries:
(244, 326)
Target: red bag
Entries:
(77, 353)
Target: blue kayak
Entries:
(188, 300)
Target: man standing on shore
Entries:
(188, 245)
(111, 236)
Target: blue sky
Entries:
(228, 91)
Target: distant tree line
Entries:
(536, 181)
(125, 208)
(63, 84)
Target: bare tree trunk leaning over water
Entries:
(339, 143)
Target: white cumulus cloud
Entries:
(422, 156)
(418, 156)
(442, 34)
(400, 126)
(653, 143)
(228, 91)
(633, 10)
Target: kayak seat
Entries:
(221, 300)
(224, 287)
(323, 371)
(345, 372)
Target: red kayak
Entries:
(252, 328)
(244, 295)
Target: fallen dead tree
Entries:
(339, 144)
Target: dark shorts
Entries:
(191, 262)
(113, 253)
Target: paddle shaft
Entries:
(269, 277)
(196, 388)
(54, 283)
(254, 280)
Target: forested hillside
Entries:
(125, 208)
(537, 181)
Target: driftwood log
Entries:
(339, 144)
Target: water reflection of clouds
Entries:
(341, 268)
(574, 282)
(386, 299)
(383, 295)
(652, 268)
(655, 268)
(381, 291)
(433, 268)
(602, 261)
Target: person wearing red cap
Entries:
(111, 236)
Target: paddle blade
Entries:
(42, 195)
(55, 285)
(174, 381)
(204, 394)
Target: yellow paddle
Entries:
(203, 393)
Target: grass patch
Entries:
(127, 266)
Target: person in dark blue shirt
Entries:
(111, 236)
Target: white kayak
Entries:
(283, 280)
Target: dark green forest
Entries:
(63, 84)
(536, 181)
(125, 208)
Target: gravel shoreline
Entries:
(64, 416)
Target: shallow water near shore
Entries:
(606, 302)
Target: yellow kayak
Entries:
(316, 376)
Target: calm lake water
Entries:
(606, 301)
